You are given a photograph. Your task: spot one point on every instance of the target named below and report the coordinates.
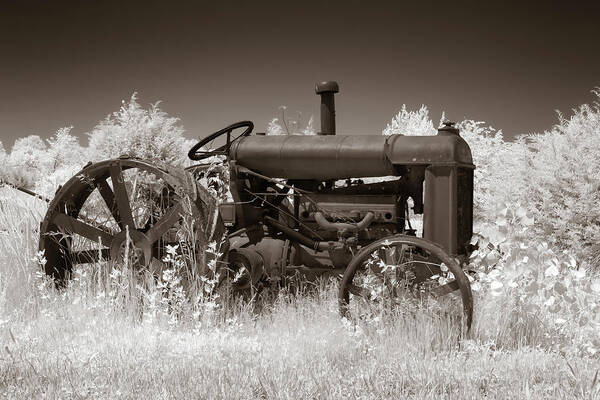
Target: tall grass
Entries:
(110, 336)
(20, 216)
(299, 349)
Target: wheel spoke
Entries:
(89, 256)
(90, 232)
(86, 221)
(121, 198)
(359, 291)
(445, 289)
(382, 254)
(391, 256)
(109, 198)
(168, 220)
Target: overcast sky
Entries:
(509, 64)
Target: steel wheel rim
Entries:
(461, 282)
(65, 214)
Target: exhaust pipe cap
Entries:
(327, 87)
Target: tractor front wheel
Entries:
(402, 269)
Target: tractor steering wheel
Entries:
(196, 154)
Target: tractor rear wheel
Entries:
(399, 269)
(130, 211)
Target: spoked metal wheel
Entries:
(128, 210)
(404, 270)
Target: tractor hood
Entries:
(350, 156)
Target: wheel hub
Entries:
(138, 248)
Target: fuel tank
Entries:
(346, 156)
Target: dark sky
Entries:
(213, 63)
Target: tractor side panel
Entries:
(448, 211)
(464, 213)
(439, 219)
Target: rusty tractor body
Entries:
(301, 205)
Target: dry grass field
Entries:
(95, 341)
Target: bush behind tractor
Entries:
(308, 206)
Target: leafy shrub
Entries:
(63, 150)
(63, 158)
(562, 177)
(499, 167)
(544, 297)
(150, 134)
(3, 163)
(25, 161)
(411, 123)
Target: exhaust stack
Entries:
(326, 90)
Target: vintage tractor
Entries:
(300, 205)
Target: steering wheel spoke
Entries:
(196, 154)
